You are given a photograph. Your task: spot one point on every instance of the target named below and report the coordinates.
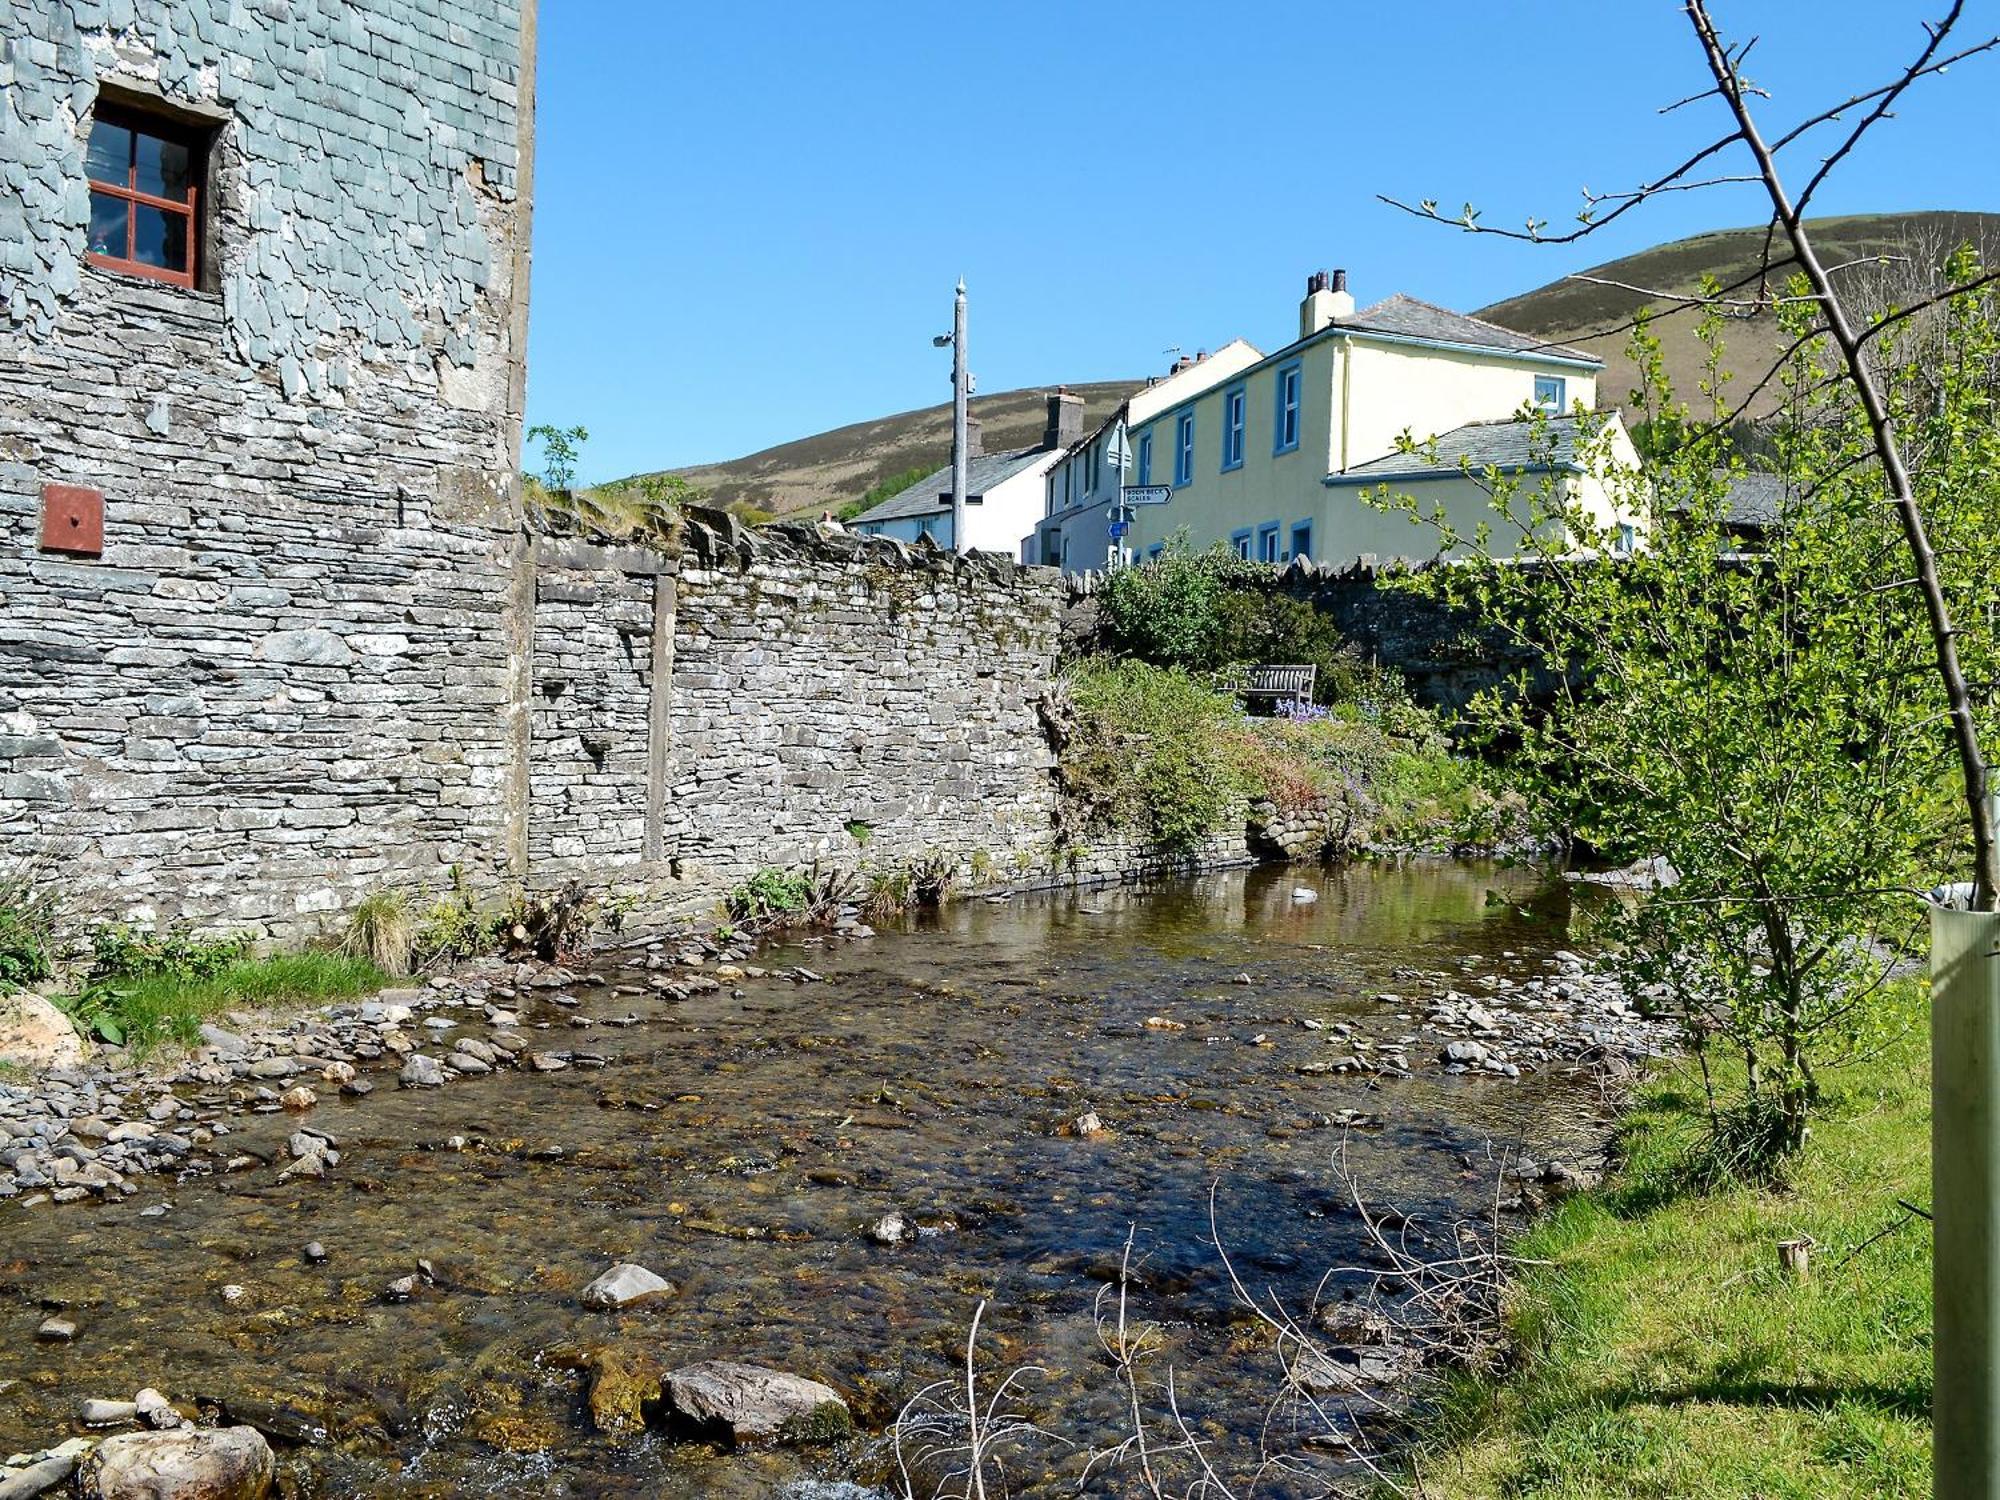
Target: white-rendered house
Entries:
(1082, 487)
(1003, 492)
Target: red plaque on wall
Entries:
(73, 520)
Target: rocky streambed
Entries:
(378, 1239)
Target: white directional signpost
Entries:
(1130, 498)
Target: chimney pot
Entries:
(1339, 280)
(1316, 282)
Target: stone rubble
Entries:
(95, 1130)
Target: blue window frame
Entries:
(1267, 542)
(1184, 448)
(1232, 428)
(1145, 457)
(1285, 426)
(1240, 541)
(1549, 391)
(1302, 539)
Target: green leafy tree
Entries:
(562, 450)
(1763, 723)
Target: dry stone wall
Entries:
(831, 699)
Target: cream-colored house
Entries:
(1277, 460)
(1083, 486)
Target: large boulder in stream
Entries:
(187, 1463)
(745, 1404)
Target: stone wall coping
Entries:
(577, 555)
(716, 538)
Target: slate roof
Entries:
(1426, 320)
(1510, 444)
(981, 474)
(1756, 501)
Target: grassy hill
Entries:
(822, 471)
(1578, 312)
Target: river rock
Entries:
(421, 1072)
(46, 1469)
(890, 1229)
(623, 1285)
(1334, 1371)
(298, 1099)
(1462, 1051)
(741, 1404)
(56, 1331)
(624, 1383)
(188, 1463)
(34, 1034)
(154, 1409)
(95, 1413)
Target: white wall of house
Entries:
(1074, 531)
(999, 520)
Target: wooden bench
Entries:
(1278, 684)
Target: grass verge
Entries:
(146, 1010)
(1663, 1353)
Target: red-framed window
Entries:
(145, 194)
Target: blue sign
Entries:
(1118, 529)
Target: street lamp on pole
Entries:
(961, 393)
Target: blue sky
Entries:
(749, 217)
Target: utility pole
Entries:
(961, 390)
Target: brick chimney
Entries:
(975, 441)
(1326, 302)
(1065, 419)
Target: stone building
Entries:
(263, 302)
(274, 628)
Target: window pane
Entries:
(107, 225)
(163, 167)
(109, 157)
(160, 238)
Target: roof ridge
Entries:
(1533, 343)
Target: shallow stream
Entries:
(743, 1147)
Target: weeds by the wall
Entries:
(144, 988)
(1162, 753)
(30, 911)
(379, 930)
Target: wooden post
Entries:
(659, 714)
(1965, 1202)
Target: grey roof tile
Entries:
(981, 474)
(1511, 444)
(1412, 318)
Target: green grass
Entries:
(149, 1010)
(1661, 1351)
